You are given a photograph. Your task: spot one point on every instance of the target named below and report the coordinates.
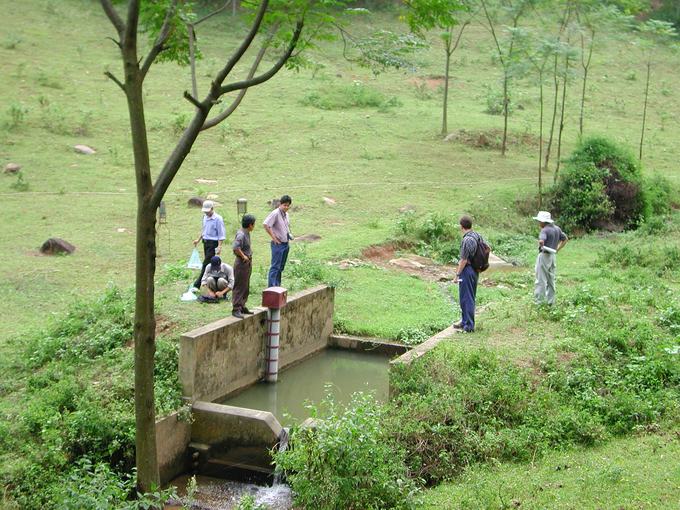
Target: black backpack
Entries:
(205, 298)
(480, 259)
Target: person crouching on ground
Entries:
(550, 241)
(218, 278)
(243, 266)
(466, 277)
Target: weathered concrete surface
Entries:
(228, 426)
(362, 345)
(421, 349)
(229, 437)
(173, 435)
(229, 355)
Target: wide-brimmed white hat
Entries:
(543, 217)
(207, 205)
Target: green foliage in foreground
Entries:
(632, 472)
(98, 487)
(347, 460)
(68, 394)
(607, 368)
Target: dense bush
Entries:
(356, 94)
(346, 460)
(75, 380)
(603, 185)
(433, 235)
(615, 372)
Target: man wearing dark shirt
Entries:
(466, 276)
(243, 266)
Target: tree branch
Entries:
(269, 74)
(194, 101)
(213, 13)
(240, 51)
(115, 20)
(163, 35)
(114, 79)
(256, 63)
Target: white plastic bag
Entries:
(188, 295)
(195, 260)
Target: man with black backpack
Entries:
(474, 258)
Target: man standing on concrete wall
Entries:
(212, 235)
(550, 241)
(243, 266)
(277, 226)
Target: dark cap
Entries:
(215, 263)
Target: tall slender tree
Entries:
(495, 14)
(650, 35)
(167, 20)
(451, 16)
(281, 27)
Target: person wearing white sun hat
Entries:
(550, 241)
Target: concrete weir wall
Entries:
(228, 356)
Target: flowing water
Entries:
(345, 371)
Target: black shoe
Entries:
(245, 310)
(238, 315)
(458, 325)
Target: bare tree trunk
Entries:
(145, 323)
(505, 113)
(563, 107)
(644, 108)
(554, 116)
(446, 93)
(586, 67)
(540, 144)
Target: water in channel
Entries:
(346, 371)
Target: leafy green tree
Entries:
(505, 13)
(424, 15)
(651, 34)
(165, 21)
(595, 21)
(538, 51)
(283, 29)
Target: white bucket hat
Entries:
(543, 217)
(207, 205)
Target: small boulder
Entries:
(84, 149)
(12, 168)
(196, 202)
(54, 246)
(308, 238)
(403, 262)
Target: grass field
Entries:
(350, 171)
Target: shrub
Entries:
(433, 235)
(356, 94)
(346, 460)
(602, 183)
(97, 487)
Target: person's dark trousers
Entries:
(279, 257)
(467, 292)
(239, 295)
(209, 248)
